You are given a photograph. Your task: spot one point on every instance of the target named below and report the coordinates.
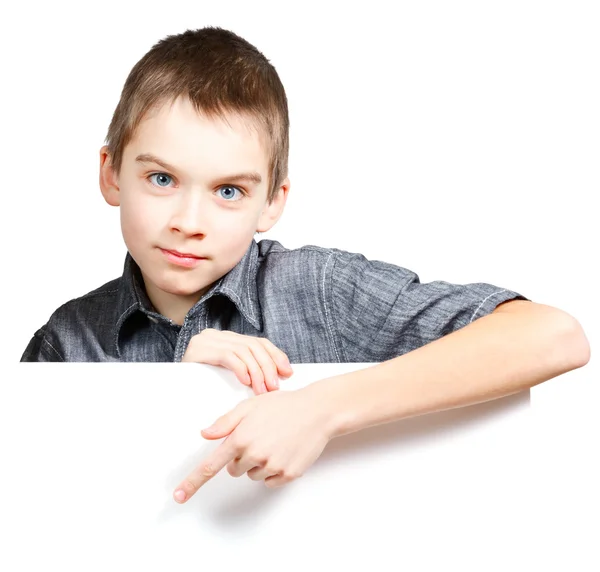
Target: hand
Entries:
(273, 437)
(255, 361)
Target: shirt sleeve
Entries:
(40, 349)
(381, 310)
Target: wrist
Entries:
(328, 400)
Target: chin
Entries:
(179, 288)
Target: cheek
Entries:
(139, 216)
(137, 227)
(240, 227)
(233, 227)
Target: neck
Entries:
(172, 306)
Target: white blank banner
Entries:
(93, 452)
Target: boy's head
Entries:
(196, 157)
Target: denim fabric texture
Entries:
(318, 305)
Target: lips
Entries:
(183, 254)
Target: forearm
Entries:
(497, 355)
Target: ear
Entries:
(272, 212)
(109, 184)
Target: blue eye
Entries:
(162, 177)
(162, 181)
(231, 191)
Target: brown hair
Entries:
(219, 72)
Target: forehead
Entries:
(182, 136)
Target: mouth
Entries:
(183, 254)
(182, 258)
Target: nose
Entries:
(189, 215)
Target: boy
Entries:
(196, 159)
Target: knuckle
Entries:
(229, 361)
(256, 457)
(207, 470)
(241, 373)
(267, 342)
(189, 486)
(258, 349)
(272, 469)
(242, 344)
(239, 444)
(253, 367)
(256, 373)
(290, 475)
(232, 469)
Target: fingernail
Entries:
(275, 383)
(248, 381)
(179, 495)
(211, 429)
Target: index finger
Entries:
(205, 471)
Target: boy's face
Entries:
(208, 198)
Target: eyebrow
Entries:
(251, 177)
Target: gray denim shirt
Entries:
(318, 305)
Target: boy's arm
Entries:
(518, 345)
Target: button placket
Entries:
(185, 334)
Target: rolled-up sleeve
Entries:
(381, 310)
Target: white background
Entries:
(458, 139)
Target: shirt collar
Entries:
(239, 285)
